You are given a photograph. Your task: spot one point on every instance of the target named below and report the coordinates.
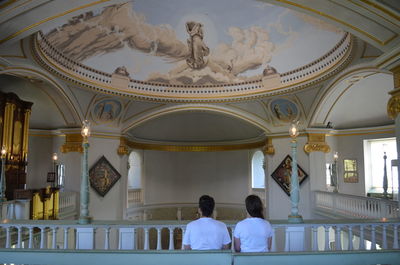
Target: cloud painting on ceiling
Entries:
(194, 42)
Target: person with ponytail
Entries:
(253, 234)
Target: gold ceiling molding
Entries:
(9, 37)
(384, 10)
(125, 144)
(73, 143)
(381, 42)
(268, 148)
(316, 143)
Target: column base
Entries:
(295, 219)
(84, 220)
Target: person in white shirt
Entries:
(206, 233)
(253, 234)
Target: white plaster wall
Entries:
(40, 150)
(352, 147)
(109, 207)
(176, 177)
(278, 201)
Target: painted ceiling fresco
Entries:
(194, 42)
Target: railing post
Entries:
(395, 237)
(384, 240)
(233, 241)
(373, 238)
(171, 238)
(273, 247)
(19, 228)
(146, 239)
(315, 238)
(350, 238)
(183, 234)
(107, 238)
(53, 244)
(8, 238)
(158, 238)
(362, 243)
(42, 237)
(326, 238)
(66, 237)
(338, 241)
(30, 241)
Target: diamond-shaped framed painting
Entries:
(283, 173)
(103, 176)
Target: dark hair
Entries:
(254, 206)
(206, 205)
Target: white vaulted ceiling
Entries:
(352, 93)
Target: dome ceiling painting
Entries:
(194, 42)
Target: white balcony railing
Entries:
(351, 206)
(319, 235)
(68, 205)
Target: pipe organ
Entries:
(14, 124)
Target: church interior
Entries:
(134, 109)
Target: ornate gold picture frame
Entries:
(103, 176)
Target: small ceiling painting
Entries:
(284, 110)
(194, 42)
(106, 110)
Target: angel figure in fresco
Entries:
(197, 48)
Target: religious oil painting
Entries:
(107, 110)
(103, 176)
(284, 110)
(282, 174)
(350, 171)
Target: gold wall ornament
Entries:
(268, 149)
(123, 147)
(316, 143)
(393, 106)
(73, 143)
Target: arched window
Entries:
(135, 170)
(257, 171)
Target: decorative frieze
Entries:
(73, 143)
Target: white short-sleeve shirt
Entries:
(253, 234)
(206, 233)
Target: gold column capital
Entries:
(316, 143)
(73, 143)
(268, 148)
(123, 146)
(393, 106)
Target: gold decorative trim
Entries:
(393, 106)
(23, 56)
(396, 76)
(268, 148)
(316, 143)
(9, 37)
(193, 148)
(73, 143)
(361, 133)
(123, 147)
(381, 9)
(381, 42)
